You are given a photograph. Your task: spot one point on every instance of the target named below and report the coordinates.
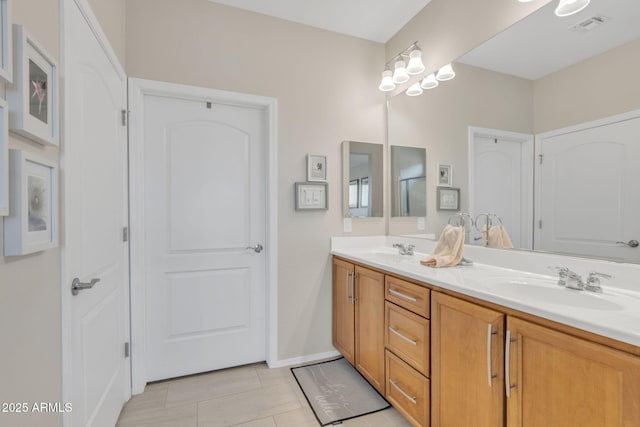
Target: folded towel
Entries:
(496, 237)
(448, 251)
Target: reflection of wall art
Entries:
(311, 196)
(33, 96)
(445, 175)
(448, 199)
(6, 46)
(316, 168)
(4, 158)
(32, 222)
(354, 193)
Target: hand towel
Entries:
(496, 237)
(448, 251)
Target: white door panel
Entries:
(204, 204)
(95, 195)
(586, 200)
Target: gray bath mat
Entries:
(337, 392)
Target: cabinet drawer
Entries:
(408, 295)
(408, 336)
(407, 390)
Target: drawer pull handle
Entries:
(409, 340)
(397, 387)
(401, 295)
(490, 334)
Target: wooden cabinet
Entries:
(561, 381)
(407, 390)
(344, 309)
(358, 319)
(467, 343)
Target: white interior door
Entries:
(204, 189)
(502, 182)
(95, 212)
(588, 199)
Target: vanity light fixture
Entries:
(402, 70)
(387, 83)
(429, 82)
(570, 7)
(445, 73)
(414, 89)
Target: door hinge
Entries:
(125, 234)
(125, 117)
(540, 158)
(126, 350)
(540, 223)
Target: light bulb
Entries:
(387, 83)
(445, 73)
(400, 74)
(414, 89)
(429, 82)
(569, 7)
(415, 62)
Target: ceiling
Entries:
(375, 21)
(542, 43)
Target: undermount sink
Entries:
(538, 289)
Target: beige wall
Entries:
(326, 86)
(439, 121)
(111, 14)
(30, 354)
(584, 92)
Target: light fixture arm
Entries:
(404, 54)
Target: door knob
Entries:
(77, 285)
(630, 243)
(257, 248)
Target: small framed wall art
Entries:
(445, 175)
(448, 199)
(316, 168)
(4, 158)
(311, 196)
(33, 95)
(6, 44)
(32, 222)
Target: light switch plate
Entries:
(346, 225)
(421, 223)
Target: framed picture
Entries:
(445, 175)
(316, 168)
(4, 158)
(32, 222)
(6, 44)
(448, 199)
(33, 95)
(311, 196)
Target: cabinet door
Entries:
(344, 309)
(370, 326)
(562, 381)
(467, 343)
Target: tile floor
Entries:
(247, 396)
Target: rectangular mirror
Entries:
(408, 181)
(362, 186)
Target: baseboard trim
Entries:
(303, 359)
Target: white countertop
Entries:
(615, 313)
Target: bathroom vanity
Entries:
(487, 345)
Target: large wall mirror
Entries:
(541, 126)
(362, 186)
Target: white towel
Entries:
(448, 251)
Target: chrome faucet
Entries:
(404, 249)
(572, 280)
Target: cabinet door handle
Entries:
(353, 288)
(409, 340)
(397, 387)
(349, 286)
(507, 364)
(401, 295)
(490, 335)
